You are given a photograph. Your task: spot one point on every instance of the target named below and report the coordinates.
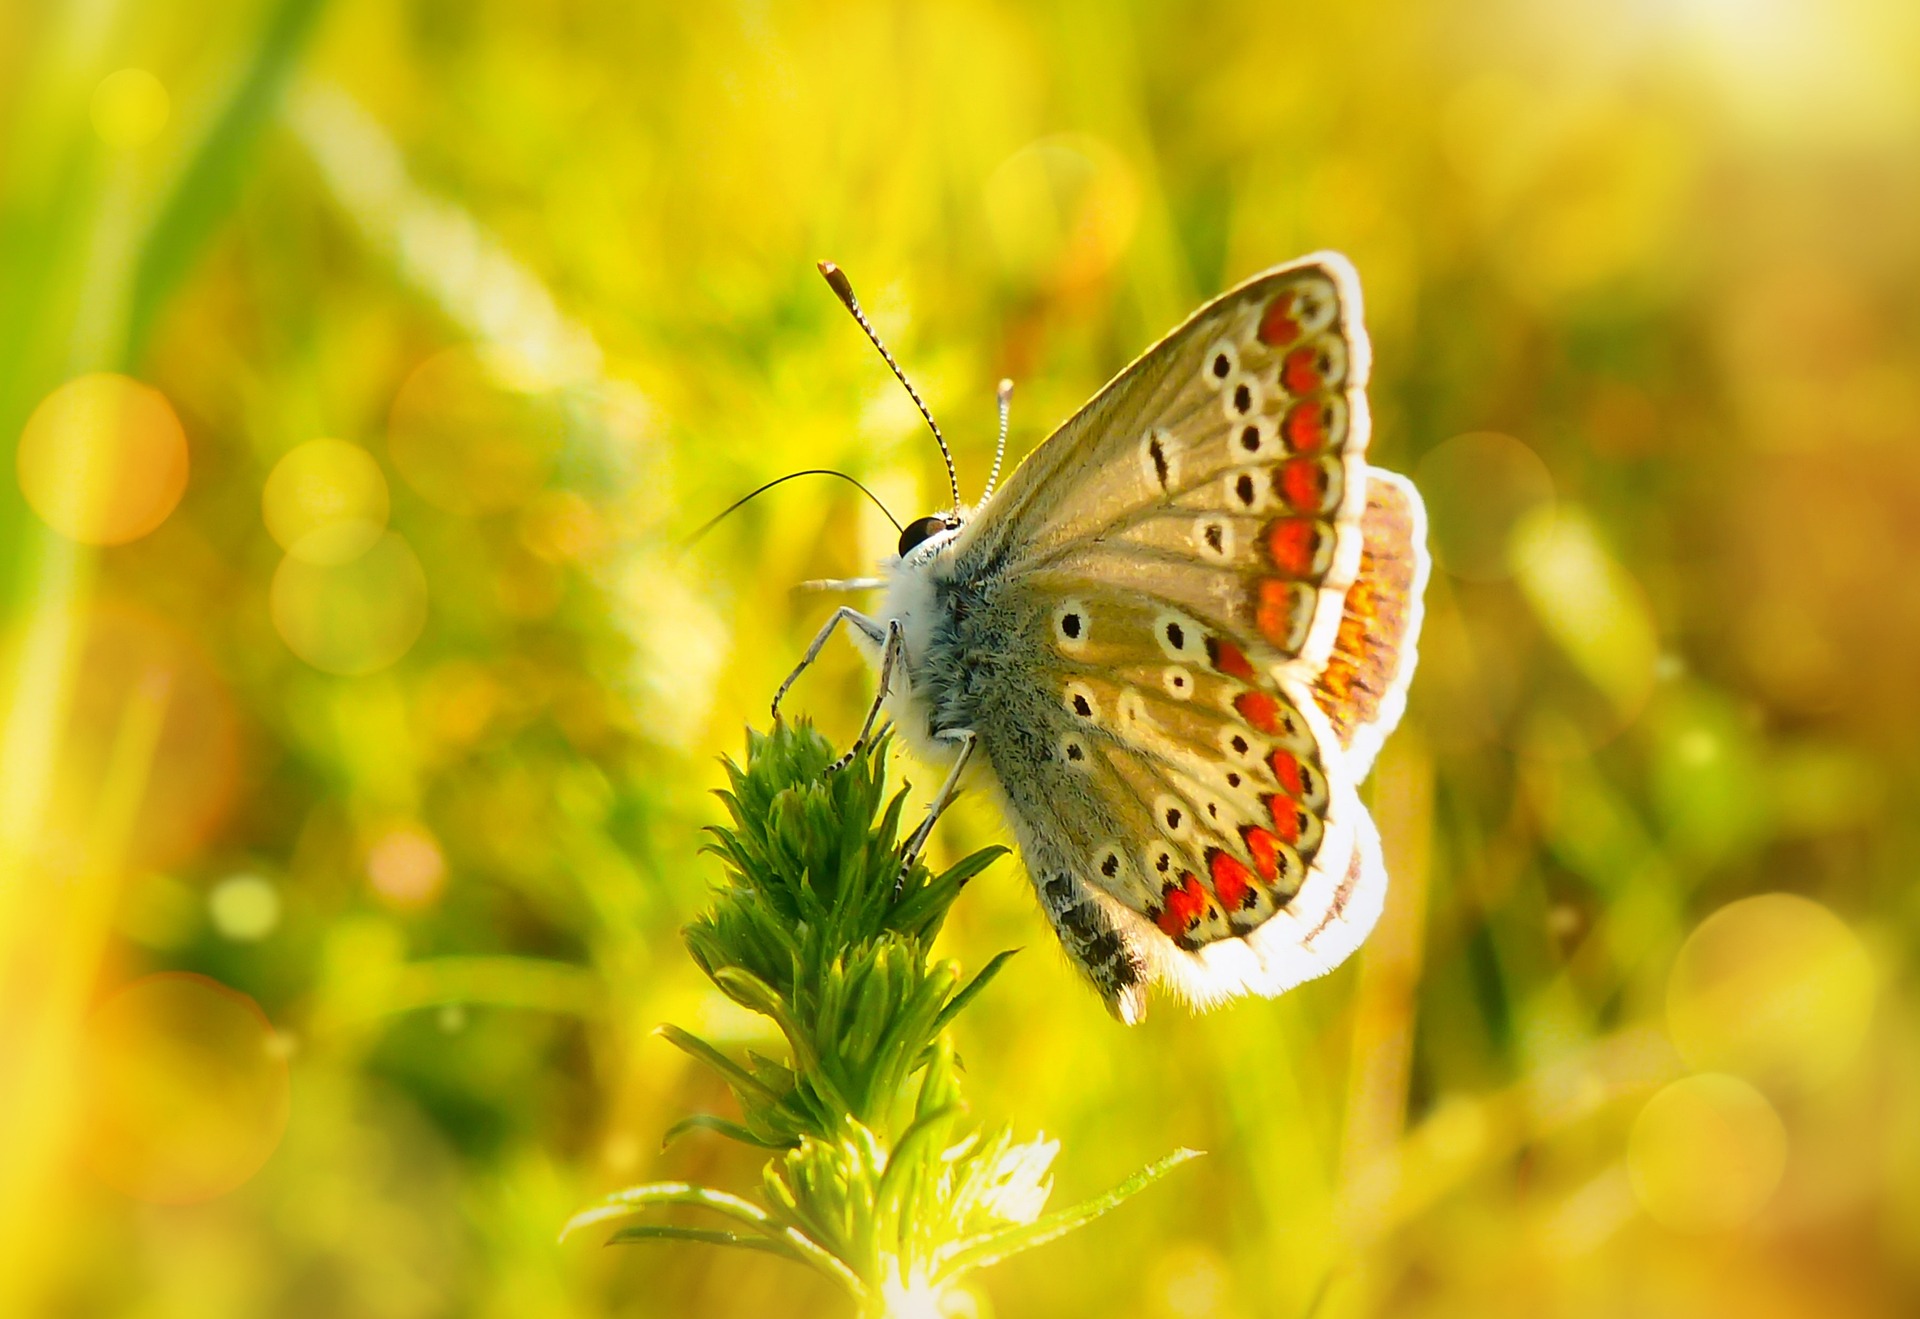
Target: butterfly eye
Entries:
(918, 531)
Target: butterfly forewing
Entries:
(1228, 463)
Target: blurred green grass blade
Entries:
(211, 180)
(531, 984)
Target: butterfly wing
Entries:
(1156, 656)
(1229, 461)
(1363, 686)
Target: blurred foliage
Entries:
(369, 777)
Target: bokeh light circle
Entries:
(406, 867)
(146, 708)
(1062, 210)
(1478, 488)
(1706, 1153)
(352, 618)
(1775, 988)
(130, 108)
(244, 908)
(467, 441)
(185, 1094)
(103, 459)
(326, 502)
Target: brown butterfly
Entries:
(1171, 646)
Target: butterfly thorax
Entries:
(948, 657)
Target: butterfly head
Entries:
(924, 536)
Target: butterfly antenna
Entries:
(1005, 396)
(843, 289)
(737, 504)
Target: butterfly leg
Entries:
(967, 739)
(889, 656)
(872, 630)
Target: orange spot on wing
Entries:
(1229, 659)
(1286, 817)
(1260, 710)
(1231, 879)
(1286, 768)
(1303, 483)
(1294, 544)
(1277, 326)
(1185, 902)
(1273, 611)
(1300, 373)
(1265, 850)
(1306, 426)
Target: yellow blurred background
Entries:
(362, 364)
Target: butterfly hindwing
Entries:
(1363, 687)
(1176, 793)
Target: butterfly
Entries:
(1170, 647)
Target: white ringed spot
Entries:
(1079, 699)
(1173, 816)
(1242, 397)
(1178, 681)
(1160, 459)
(1179, 636)
(1254, 440)
(1246, 489)
(1071, 625)
(1162, 864)
(1213, 537)
(1221, 362)
(1314, 304)
(1073, 751)
(1241, 746)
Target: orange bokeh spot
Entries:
(103, 459)
(406, 867)
(131, 667)
(467, 441)
(356, 617)
(184, 1089)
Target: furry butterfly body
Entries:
(1171, 645)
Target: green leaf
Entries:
(750, 991)
(721, 1127)
(745, 1212)
(973, 987)
(992, 1247)
(911, 1146)
(635, 1198)
(712, 1236)
(739, 1076)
